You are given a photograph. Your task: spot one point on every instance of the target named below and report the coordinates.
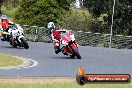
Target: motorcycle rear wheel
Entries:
(72, 56)
(13, 44)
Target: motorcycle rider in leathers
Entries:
(55, 35)
(4, 26)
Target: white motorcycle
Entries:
(16, 37)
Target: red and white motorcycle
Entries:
(69, 45)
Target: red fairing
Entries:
(67, 37)
(67, 49)
(76, 44)
(73, 45)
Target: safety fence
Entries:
(41, 34)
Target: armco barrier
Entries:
(41, 34)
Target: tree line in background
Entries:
(94, 15)
(122, 17)
(39, 12)
(9, 4)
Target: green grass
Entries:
(6, 61)
(62, 85)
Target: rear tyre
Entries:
(75, 50)
(25, 44)
(13, 44)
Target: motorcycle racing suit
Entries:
(56, 36)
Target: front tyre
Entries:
(25, 44)
(75, 51)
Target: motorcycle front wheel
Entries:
(76, 53)
(25, 44)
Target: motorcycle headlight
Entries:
(72, 37)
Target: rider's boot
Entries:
(8, 38)
(3, 39)
(57, 49)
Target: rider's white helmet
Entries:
(51, 25)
